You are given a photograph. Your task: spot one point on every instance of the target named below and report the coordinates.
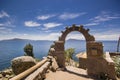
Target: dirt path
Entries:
(72, 73)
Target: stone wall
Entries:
(83, 63)
(97, 62)
(99, 66)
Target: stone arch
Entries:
(96, 63)
(59, 45)
(80, 29)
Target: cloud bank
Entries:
(31, 24)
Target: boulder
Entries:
(22, 63)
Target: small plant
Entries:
(69, 53)
(28, 49)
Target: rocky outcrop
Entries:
(6, 74)
(22, 63)
(54, 65)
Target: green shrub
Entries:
(69, 53)
(28, 49)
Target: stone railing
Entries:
(36, 72)
(39, 74)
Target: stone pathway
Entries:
(72, 73)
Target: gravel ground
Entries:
(72, 73)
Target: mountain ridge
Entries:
(19, 39)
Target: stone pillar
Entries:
(94, 56)
(59, 53)
(94, 49)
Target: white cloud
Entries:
(91, 24)
(75, 36)
(51, 36)
(108, 34)
(31, 24)
(4, 30)
(51, 25)
(66, 16)
(1, 24)
(44, 17)
(1, 28)
(104, 16)
(100, 36)
(4, 14)
(55, 36)
(7, 24)
(25, 34)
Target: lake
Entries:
(10, 49)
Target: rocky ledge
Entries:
(6, 74)
(18, 65)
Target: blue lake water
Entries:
(10, 49)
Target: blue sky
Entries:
(45, 19)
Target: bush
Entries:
(28, 49)
(117, 65)
(69, 53)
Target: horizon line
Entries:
(55, 40)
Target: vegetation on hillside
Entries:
(116, 59)
(28, 49)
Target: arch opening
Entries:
(76, 41)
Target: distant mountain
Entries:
(75, 40)
(70, 40)
(96, 40)
(14, 39)
(18, 39)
